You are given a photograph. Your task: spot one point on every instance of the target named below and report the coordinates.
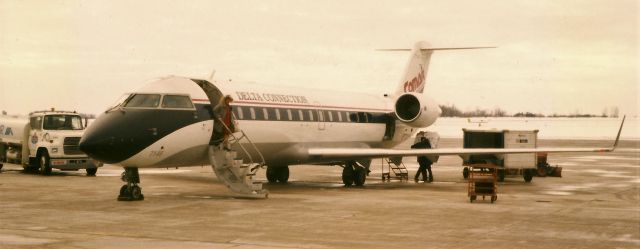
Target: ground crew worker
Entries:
(423, 161)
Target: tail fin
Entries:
(414, 78)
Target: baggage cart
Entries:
(482, 182)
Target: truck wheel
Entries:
(45, 166)
(502, 173)
(542, 171)
(528, 175)
(92, 171)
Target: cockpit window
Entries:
(143, 100)
(177, 101)
(121, 100)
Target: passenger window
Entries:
(177, 101)
(240, 114)
(353, 117)
(339, 116)
(300, 115)
(144, 100)
(265, 113)
(363, 117)
(253, 112)
(311, 116)
(277, 113)
(330, 113)
(289, 114)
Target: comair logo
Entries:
(415, 83)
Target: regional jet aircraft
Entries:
(169, 122)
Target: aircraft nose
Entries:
(101, 140)
(99, 148)
(114, 137)
(121, 134)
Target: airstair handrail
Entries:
(237, 140)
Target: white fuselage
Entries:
(282, 141)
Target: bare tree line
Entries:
(453, 111)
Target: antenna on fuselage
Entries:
(213, 72)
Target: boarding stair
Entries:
(236, 173)
(394, 167)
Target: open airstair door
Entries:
(236, 173)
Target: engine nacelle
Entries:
(416, 110)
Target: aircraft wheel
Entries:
(124, 190)
(45, 163)
(283, 174)
(494, 198)
(136, 193)
(347, 175)
(359, 176)
(92, 171)
(272, 174)
(472, 198)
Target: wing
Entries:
(347, 153)
(357, 153)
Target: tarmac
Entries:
(595, 204)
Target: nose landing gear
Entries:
(130, 191)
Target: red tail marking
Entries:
(415, 83)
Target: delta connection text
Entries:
(274, 98)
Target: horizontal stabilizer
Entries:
(415, 75)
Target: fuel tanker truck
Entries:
(43, 141)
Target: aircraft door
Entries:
(213, 94)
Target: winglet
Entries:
(615, 144)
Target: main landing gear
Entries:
(130, 191)
(353, 173)
(278, 174)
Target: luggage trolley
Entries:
(483, 181)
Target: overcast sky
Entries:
(552, 56)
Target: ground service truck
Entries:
(44, 140)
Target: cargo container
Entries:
(509, 164)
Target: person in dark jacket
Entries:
(425, 163)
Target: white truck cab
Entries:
(46, 140)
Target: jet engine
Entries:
(416, 110)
